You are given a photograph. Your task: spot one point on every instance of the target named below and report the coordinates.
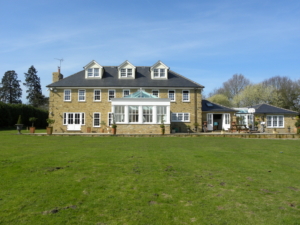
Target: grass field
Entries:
(159, 180)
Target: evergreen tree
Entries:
(35, 96)
(10, 91)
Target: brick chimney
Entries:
(56, 76)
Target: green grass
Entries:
(160, 180)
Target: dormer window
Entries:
(159, 71)
(93, 70)
(126, 70)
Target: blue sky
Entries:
(206, 41)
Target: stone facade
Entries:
(289, 121)
(57, 108)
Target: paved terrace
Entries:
(229, 135)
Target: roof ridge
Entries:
(187, 78)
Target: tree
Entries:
(232, 87)
(255, 94)
(35, 96)
(286, 90)
(220, 99)
(10, 91)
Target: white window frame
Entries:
(94, 119)
(109, 95)
(175, 117)
(272, 121)
(159, 73)
(172, 100)
(157, 93)
(119, 113)
(84, 95)
(109, 119)
(189, 94)
(147, 113)
(124, 92)
(133, 114)
(97, 100)
(66, 118)
(70, 95)
(158, 114)
(125, 72)
(91, 72)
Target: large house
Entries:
(137, 98)
(140, 98)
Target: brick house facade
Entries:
(135, 97)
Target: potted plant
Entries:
(289, 129)
(88, 129)
(188, 128)
(256, 125)
(49, 128)
(196, 126)
(19, 124)
(32, 128)
(103, 125)
(114, 128)
(297, 125)
(162, 126)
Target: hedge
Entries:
(9, 114)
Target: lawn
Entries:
(158, 180)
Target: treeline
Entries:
(11, 92)
(9, 114)
(239, 91)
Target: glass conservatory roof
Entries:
(140, 94)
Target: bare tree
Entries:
(232, 87)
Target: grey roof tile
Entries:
(110, 79)
(215, 107)
(270, 109)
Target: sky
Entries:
(205, 41)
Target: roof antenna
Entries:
(60, 60)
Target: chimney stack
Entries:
(56, 76)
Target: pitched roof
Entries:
(208, 106)
(142, 79)
(270, 109)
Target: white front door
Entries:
(226, 121)
(209, 121)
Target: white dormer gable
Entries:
(126, 70)
(93, 70)
(159, 70)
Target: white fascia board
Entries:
(161, 63)
(92, 62)
(124, 63)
